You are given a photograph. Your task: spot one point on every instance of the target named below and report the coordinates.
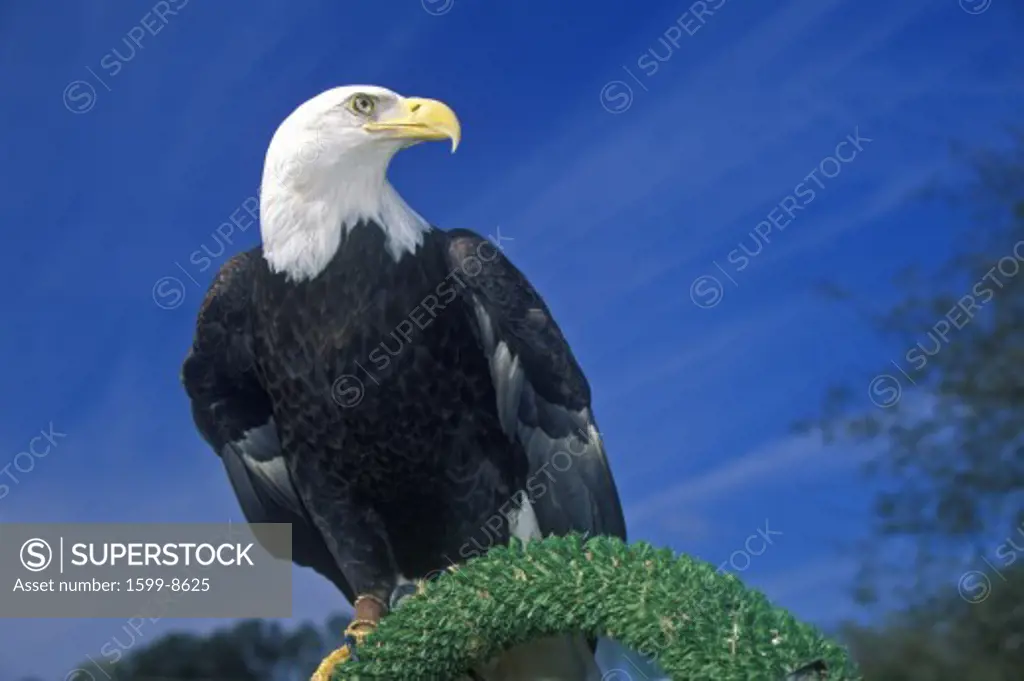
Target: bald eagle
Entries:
(400, 394)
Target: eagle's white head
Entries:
(326, 170)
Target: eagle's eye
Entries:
(362, 104)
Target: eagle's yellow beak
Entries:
(421, 120)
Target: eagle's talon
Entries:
(358, 630)
(326, 668)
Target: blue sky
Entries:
(623, 182)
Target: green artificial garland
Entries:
(697, 624)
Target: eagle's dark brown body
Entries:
(383, 398)
(395, 411)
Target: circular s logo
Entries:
(347, 391)
(168, 293)
(79, 97)
(975, 6)
(885, 391)
(36, 555)
(79, 674)
(974, 586)
(616, 96)
(706, 291)
(437, 8)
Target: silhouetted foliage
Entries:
(948, 421)
(953, 639)
(251, 650)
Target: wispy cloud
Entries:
(892, 193)
(788, 456)
(704, 355)
(726, 127)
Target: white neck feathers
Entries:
(305, 210)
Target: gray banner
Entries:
(145, 570)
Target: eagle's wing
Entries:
(235, 416)
(543, 397)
